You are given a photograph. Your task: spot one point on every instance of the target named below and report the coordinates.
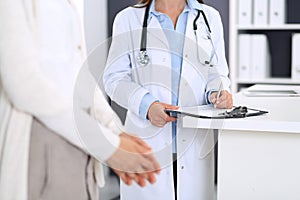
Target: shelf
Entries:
(270, 27)
(271, 81)
(279, 40)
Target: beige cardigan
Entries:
(27, 92)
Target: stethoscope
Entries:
(143, 58)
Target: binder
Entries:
(260, 57)
(277, 12)
(245, 10)
(295, 56)
(244, 58)
(261, 15)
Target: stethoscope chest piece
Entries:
(143, 58)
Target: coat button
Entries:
(182, 167)
(186, 55)
(79, 47)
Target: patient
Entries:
(41, 52)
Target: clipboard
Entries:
(208, 112)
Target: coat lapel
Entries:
(155, 30)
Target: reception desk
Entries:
(258, 157)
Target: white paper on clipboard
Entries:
(194, 111)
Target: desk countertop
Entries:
(283, 116)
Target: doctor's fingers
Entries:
(169, 106)
(213, 97)
(225, 100)
(223, 103)
(229, 101)
(158, 124)
(159, 121)
(159, 118)
(155, 113)
(167, 118)
(171, 119)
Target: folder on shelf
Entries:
(260, 57)
(245, 10)
(277, 12)
(244, 58)
(295, 56)
(260, 13)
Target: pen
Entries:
(218, 95)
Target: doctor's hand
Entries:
(224, 101)
(157, 114)
(134, 161)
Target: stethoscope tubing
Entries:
(144, 31)
(143, 57)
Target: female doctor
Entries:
(164, 54)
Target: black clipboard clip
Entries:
(242, 112)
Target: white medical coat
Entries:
(126, 82)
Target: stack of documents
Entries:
(261, 12)
(296, 57)
(254, 57)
